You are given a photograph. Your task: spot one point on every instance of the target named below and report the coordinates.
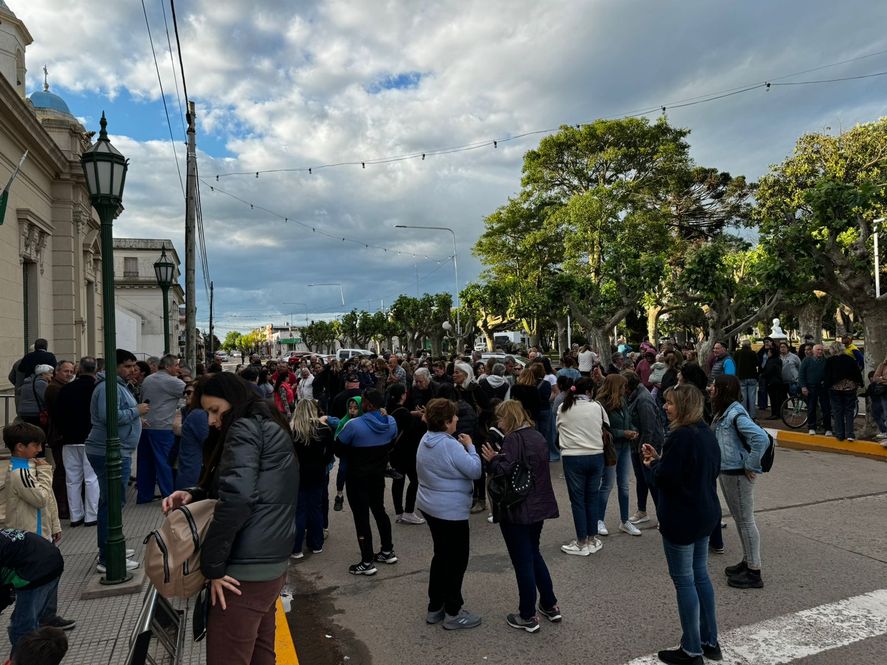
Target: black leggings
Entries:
(367, 494)
(448, 565)
(397, 487)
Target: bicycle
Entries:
(794, 411)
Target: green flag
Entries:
(4, 196)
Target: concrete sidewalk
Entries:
(103, 625)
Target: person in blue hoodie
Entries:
(364, 444)
(447, 468)
(129, 423)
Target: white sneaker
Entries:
(490, 518)
(881, 436)
(398, 518)
(575, 548)
(828, 432)
(850, 438)
(411, 518)
(594, 545)
(630, 529)
(602, 528)
(130, 565)
(811, 432)
(297, 555)
(639, 517)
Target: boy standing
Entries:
(27, 501)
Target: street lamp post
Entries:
(163, 271)
(455, 267)
(105, 171)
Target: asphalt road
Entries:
(823, 520)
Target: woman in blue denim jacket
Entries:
(734, 430)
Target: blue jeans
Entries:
(843, 405)
(30, 606)
(97, 462)
(617, 475)
(309, 517)
(522, 541)
(688, 568)
(749, 392)
(154, 466)
(544, 425)
(583, 474)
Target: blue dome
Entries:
(47, 100)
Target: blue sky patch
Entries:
(401, 81)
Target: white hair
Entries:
(465, 368)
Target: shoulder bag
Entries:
(607, 436)
(511, 487)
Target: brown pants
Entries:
(243, 634)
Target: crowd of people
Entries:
(273, 442)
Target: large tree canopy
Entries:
(816, 212)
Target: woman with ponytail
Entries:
(580, 423)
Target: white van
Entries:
(345, 354)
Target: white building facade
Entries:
(50, 256)
(139, 300)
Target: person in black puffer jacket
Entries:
(253, 472)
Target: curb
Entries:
(803, 441)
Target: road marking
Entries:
(805, 633)
(284, 648)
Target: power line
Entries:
(494, 143)
(313, 227)
(175, 25)
(172, 65)
(163, 98)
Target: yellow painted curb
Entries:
(284, 648)
(803, 441)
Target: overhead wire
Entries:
(476, 145)
(163, 98)
(314, 228)
(172, 64)
(175, 26)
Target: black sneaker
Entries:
(362, 568)
(339, 503)
(530, 625)
(58, 622)
(712, 653)
(730, 571)
(747, 579)
(679, 657)
(75, 524)
(553, 613)
(386, 557)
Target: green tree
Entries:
(232, 341)
(816, 212)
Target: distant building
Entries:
(139, 300)
(50, 258)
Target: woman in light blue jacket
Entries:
(447, 468)
(742, 444)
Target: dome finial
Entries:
(45, 79)
(103, 123)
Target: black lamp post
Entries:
(105, 171)
(163, 270)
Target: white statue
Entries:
(776, 331)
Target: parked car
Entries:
(500, 357)
(345, 354)
(221, 356)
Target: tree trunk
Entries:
(810, 319)
(561, 335)
(653, 323)
(599, 341)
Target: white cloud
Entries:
(286, 84)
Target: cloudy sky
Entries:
(284, 84)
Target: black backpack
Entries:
(768, 454)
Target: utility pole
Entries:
(212, 351)
(190, 243)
